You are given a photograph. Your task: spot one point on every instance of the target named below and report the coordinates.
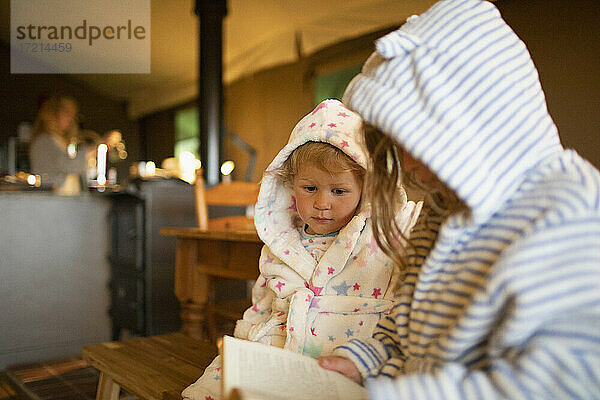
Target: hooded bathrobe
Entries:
(310, 306)
(502, 300)
(299, 303)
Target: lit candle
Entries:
(188, 164)
(101, 164)
(150, 168)
(226, 169)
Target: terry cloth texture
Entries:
(506, 304)
(316, 245)
(299, 303)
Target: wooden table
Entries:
(152, 368)
(230, 248)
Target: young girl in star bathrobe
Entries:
(323, 278)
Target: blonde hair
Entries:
(323, 155)
(47, 118)
(384, 176)
(382, 191)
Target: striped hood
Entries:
(458, 90)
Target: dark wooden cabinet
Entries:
(142, 261)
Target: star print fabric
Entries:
(316, 245)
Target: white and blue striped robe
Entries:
(501, 300)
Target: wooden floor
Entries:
(66, 379)
(7, 390)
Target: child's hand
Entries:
(342, 365)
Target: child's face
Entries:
(325, 202)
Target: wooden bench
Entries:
(151, 368)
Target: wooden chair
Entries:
(234, 194)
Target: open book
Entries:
(257, 371)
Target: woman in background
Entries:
(58, 147)
(56, 150)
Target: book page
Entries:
(265, 372)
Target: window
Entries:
(331, 85)
(186, 132)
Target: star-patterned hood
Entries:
(330, 122)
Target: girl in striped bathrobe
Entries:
(502, 290)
